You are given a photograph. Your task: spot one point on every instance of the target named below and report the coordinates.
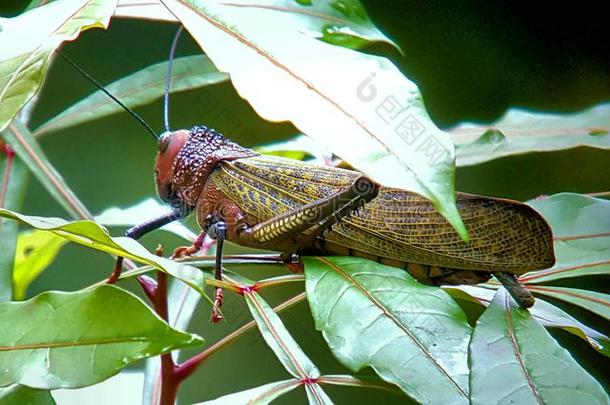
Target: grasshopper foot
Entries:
(216, 315)
(521, 294)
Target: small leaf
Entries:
(413, 335)
(69, 340)
(279, 339)
(21, 395)
(256, 396)
(596, 302)
(137, 89)
(28, 149)
(581, 228)
(24, 56)
(515, 360)
(544, 312)
(366, 111)
(141, 213)
(36, 250)
(521, 131)
(92, 235)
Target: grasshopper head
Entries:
(169, 145)
(185, 159)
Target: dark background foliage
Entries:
(472, 61)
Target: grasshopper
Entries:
(299, 208)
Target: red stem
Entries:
(169, 380)
(10, 154)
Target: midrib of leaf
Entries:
(517, 350)
(276, 336)
(54, 345)
(397, 322)
(562, 270)
(72, 201)
(571, 294)
(583, 236)
(35, 51)
(311, 87)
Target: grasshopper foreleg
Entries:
(140, 230)
(217, 231)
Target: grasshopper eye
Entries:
(164, 140)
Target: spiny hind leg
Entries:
(521, 294)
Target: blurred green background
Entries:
(471, 59)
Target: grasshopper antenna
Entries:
(168, 82)
(116, 100)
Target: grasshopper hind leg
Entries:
(521, 294)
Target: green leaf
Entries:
(596, 302)
(21, 395)
(366, 111)
(35, 251)
(92, 235)
(316, 395)
(149, 10)
(515, 360)
(16, 186)
(277, 337)
(298, 147)
(544, 312)
(141, 213)
(24, 59)
(581, 228)
(69, 340)
(413, 335)
(28, 149)
(363, 382)
(256, 396)
(521, 131)
(137, 89)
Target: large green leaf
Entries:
(92, 235)
(21, 395)
(25, 54)
(515, 360)
(358, 105)
(581, 227)
(28, 149)
(35, 251)
(256, 396)
(521, 131)
(137, 89)
(67, 340)
(544, 312)
(593, 301)
(413, 335)
(16, 185)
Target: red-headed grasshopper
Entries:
(299, 208)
